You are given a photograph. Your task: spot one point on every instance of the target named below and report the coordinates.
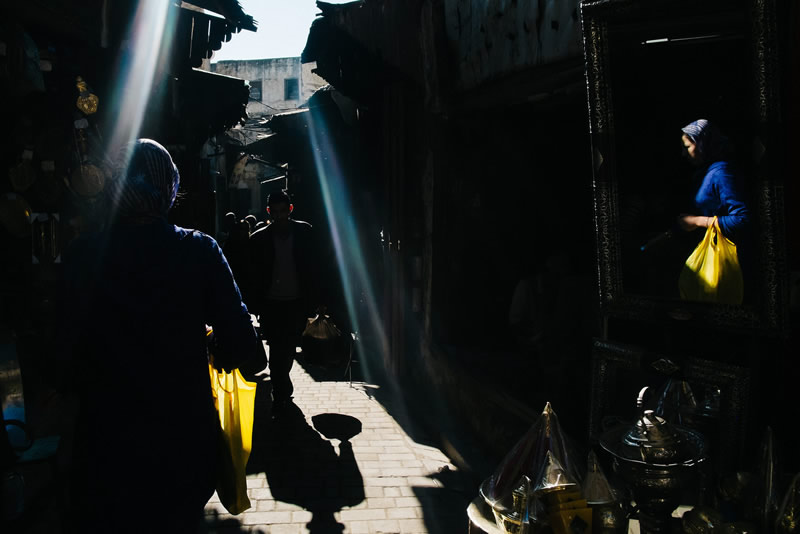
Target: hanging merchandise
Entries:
(88, 177)
(87, 101)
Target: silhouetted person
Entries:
(283, 288)
(132, 344)
(251, 221)
(235, 249)
(720, 192)
(228, 224)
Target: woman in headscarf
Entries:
(720, 192)
(137, 298)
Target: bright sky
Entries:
(282, 29)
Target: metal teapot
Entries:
(657, 460)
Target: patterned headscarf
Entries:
(709, 140)
(146, 180)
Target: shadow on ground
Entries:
(427, 421)
(304, 468)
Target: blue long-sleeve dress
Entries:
(721, 194)
(135, 303)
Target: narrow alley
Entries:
(345, 458)
(495, 266)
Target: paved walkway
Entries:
(339, 462)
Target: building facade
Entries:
(276, 84)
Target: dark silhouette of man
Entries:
(226, 228)
(236, 248)
(283, 289)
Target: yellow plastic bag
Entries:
(712, 272)
(234, 398)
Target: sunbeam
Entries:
(149, 41)
(349, 253)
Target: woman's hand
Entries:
(692, 222)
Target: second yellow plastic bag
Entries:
(712, 272)
(234, 398)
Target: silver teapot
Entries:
(657, 461)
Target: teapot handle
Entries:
(640, 401)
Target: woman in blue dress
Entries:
(720, 192)
(135, 304)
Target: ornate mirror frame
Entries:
(767, 314)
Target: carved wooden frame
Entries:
(733, 381)
(768, 314)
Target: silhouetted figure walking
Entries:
(132, 344)
(283, 288)
(235, 249)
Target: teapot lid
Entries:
(652, 440)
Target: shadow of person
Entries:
(337, 426)
(303, 468)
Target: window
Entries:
(255, 90)
(291, 89)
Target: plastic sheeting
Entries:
(544, 457)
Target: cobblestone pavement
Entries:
(339, 462)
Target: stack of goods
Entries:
(568, 512)
(608, 513)
(537, 486)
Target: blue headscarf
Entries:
(145, 181)
(709, 140)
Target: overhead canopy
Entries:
(222, 98)
(103, 24)
(230, 10)
(289, 141)
(360, 47)
(357, 46)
